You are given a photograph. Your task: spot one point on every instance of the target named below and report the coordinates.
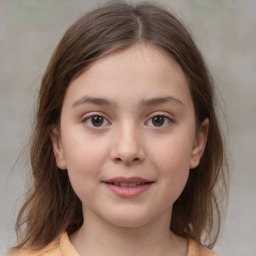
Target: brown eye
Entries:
(158, 120)
(96, 121)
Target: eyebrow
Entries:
(148, 102)
(93, 100)
(161, 100)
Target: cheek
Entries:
(173, 153)
(83, 152)
(172, 160)
(84, 160)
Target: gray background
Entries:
(225, 32)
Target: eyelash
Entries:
(88, 120)
(167, 120)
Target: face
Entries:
(128, 137)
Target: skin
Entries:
(128, 142)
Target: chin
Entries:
(128, 220)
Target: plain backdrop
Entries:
(224, 31)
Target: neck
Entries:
(97, 237)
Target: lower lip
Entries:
(128, 191)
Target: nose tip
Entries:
(128, 149)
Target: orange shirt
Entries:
(63, 247)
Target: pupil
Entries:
(97, 120)
(158, 120)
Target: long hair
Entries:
(51, 206)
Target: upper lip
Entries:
(127, 180)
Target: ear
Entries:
(199, 143)
(58, 148)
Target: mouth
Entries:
(128, 184)
(128, 187)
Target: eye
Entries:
(159, 121)
(96, 121)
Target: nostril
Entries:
(127, 161)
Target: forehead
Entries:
(148, 55)
(142, 70)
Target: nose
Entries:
(128, 146)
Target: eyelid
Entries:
(162, 114)
(89, 115)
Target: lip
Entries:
(127, 180)
(128, 186)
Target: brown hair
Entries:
(51, 205)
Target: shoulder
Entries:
(195, 249)
(52, 249)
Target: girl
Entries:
(127, 151)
